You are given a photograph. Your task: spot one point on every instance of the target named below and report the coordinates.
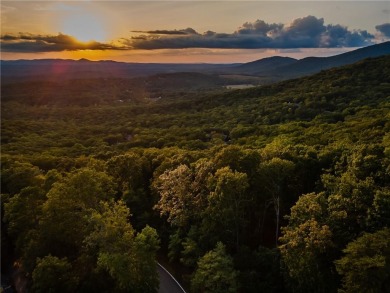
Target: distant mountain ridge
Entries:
(270, 69)
(83, 68)
(266, 64)
(274, 66)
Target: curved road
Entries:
(168, 283)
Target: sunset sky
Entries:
(189, 31)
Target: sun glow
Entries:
(85, 28)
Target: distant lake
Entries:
(239, 86)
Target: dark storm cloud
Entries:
(30, 43)
(306, 27)
(303, 32)
(384, 29)
(306, 32)
(258, 27)
(340, 36)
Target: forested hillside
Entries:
(278, 188)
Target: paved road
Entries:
(168, 284)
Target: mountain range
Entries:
(289, 67)
(266, 70)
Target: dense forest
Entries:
(277, 188)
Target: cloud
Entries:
(258, 27)
(306, 32)
(187, 31)
(209, 39)
(306, 27)
(384, 29)
(340, 36)
(30, 43)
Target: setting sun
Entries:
(192, 31)
(85, 27)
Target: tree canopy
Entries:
(278, 188)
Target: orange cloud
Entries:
(31, 43)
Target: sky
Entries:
(189, 31)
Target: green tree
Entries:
(112, 238)
(175, 195)
(129, 259)
(304, 254)
(229, 202)
(306, 245)
(132, 174)
(191, 247)
(276, 173)
(238, 159)
(22, 213)
(365, 266)
(127, 171)
(259, 270)
(17, 175)
(70, 202)
(53, 275)
(146, 245)
(52, 176)
(215, 272)
(349, 202)
(379, 213)
(183, 192)
(175, 245)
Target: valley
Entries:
(272, 177)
